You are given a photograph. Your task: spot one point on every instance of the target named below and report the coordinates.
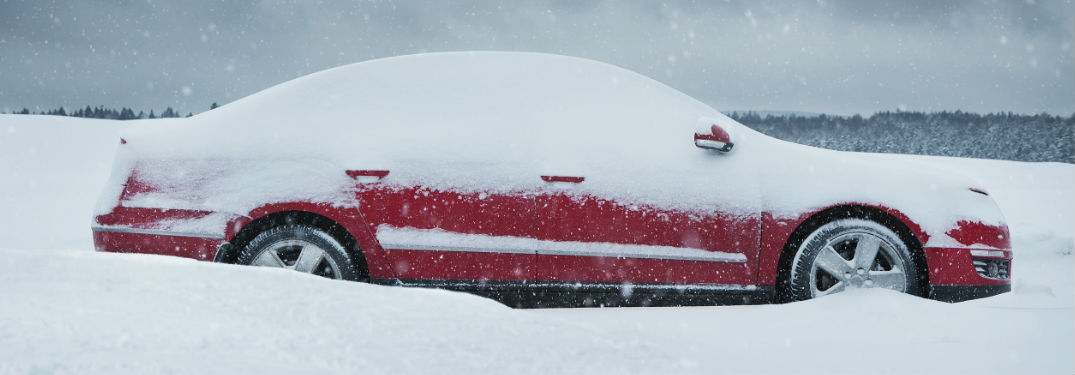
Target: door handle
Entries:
(367, 175)
(571, 179)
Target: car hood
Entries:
(940, 200)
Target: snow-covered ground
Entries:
(66, 309)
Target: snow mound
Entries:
(108, 313)
(83, 312)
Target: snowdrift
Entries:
(82, 312)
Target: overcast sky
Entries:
(842, 57)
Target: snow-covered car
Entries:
(541, 180)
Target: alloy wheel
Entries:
(857, 260)
(300, 256)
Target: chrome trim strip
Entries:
(584, 253)
(396, 246)
(578, 285)
(155, 232)
(574, 253)
(988, 253)
(632, 286)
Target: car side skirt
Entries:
(542, 294)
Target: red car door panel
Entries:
(430, 213)
(649, 240)
(640, 270)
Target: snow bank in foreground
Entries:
(81, 312)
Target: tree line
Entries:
(100, 112)
(1007, 136)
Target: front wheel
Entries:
(852, 253)
(300, 248)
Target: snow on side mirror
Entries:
(717, 139)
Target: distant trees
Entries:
(1008, 136)
(100, 112)
(103, 113)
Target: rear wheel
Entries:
(852, 253)
(300, 248)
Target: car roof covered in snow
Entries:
(457, 104)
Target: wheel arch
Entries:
(241, 232)
(909, 232)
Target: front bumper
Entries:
(959, 274)
(960, 293)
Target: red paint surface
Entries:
(494, 214)
(775, 232)
(186, 247)
(565, 216)
(146, 218)
(451, 265)
(955, 267)
(636, 270)
(556, 215)
(134, 186)
(970, 233)
(717, 134)
(150, 219)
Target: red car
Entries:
(541, 180)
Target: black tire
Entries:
(288, 243)
(815, 272)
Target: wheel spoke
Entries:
(309, 259)
(836, 288)
(894, 279)
(866, 251)
(268, 258)
(831, 262)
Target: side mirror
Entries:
(716, 139)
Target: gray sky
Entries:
(850, 56)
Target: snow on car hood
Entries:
(481, 121)
(801, 179)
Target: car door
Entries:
(703, 227)
(433, 233)
(641, 243)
